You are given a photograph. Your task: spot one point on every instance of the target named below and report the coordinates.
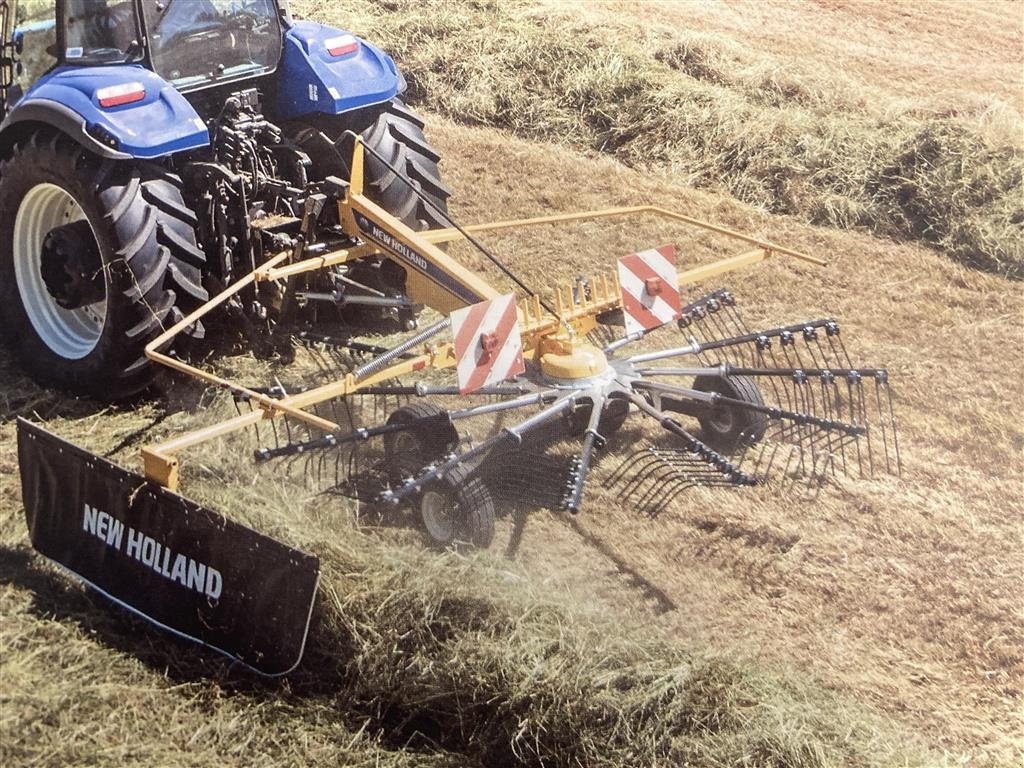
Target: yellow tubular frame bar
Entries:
(434, 279)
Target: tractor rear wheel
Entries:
(96, 258)
(393, 131)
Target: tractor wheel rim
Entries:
(70, 333)
(438, 516)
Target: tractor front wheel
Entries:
(94, 257)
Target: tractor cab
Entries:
(194, 43)
(189, 43)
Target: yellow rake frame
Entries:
(433, 278)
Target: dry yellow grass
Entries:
(904, 596)
(752, 100)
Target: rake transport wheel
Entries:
(727, 428)
(454, 509)
(94, 257)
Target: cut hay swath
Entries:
(782, 402)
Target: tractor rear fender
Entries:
(329, 71)
(154, 119)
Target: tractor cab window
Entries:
(197, 42)
(101, 32)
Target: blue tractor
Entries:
(152, 151)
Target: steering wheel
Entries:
(248, 21)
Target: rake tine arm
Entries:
(328, 441)
(538, 398)
(715, 398)
(770, 333)
(689, 349)
(619, 343)
(720, 295)
(365, 433)
(581, 463)
(424, 390)
(723, 369)
(813, 373)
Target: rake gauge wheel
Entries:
(457, 509)
(430, 437)
(727, 428)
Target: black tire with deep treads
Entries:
(146, 238)
(396, 133)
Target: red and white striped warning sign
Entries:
(488, 346)
(650, 288)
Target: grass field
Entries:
(917, 135)
(880, 624)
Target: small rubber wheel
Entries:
(727, 428)
(431, 437)
(457, 509)
(613, 416)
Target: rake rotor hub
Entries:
(573, 364)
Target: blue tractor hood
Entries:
(329, 71)
(159, 123)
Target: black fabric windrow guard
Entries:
(186, 569)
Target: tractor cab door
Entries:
(30, 46)
(6, 55)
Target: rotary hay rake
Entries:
(540, 387)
